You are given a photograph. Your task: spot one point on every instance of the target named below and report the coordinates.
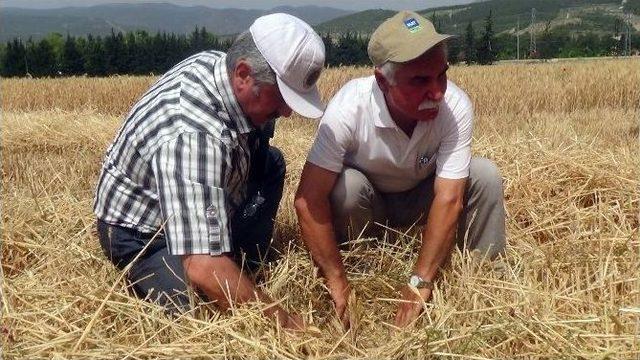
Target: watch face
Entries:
(414, 281)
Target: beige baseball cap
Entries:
(403, 37)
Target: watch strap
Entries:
(420, 283)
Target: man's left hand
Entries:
(411, 305)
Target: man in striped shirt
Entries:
(190, 187)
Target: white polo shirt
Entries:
(357, 131)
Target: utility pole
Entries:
(26, 63)
(518, 39)
(627, 40)
(533, 49)
(627, 29)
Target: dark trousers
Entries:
(158, 276)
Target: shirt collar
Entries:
(223, 83)
(379, 110)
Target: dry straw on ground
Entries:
(565, 137)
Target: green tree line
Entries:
(559, 42)
(141, 53)
(132, 53)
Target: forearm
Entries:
(438, 237)
(223, 282)
(317, 231)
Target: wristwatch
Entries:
(420, 283)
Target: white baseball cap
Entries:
(296, 54)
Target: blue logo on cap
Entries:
(412, 24)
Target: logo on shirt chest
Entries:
(422, 161)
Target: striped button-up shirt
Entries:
(181, 159)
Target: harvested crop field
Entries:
(564, 135)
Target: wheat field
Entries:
(564, 135)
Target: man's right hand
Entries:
(294, 322)
(215, 275)
(340, 290)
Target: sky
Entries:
(355, 5)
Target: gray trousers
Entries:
(357, 205)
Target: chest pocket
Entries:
(425, 163)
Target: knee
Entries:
(486, 177)
(491, 249)
(277, 166)
(352, 191)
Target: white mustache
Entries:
(428, 104)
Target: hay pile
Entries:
(567, 146)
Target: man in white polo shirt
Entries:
(395, 148)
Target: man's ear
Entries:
(383, 84)
(242, 78)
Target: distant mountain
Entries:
(99, 20)
(574, 15)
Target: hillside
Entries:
(363, 21)
(578, 15)
(99, 20)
